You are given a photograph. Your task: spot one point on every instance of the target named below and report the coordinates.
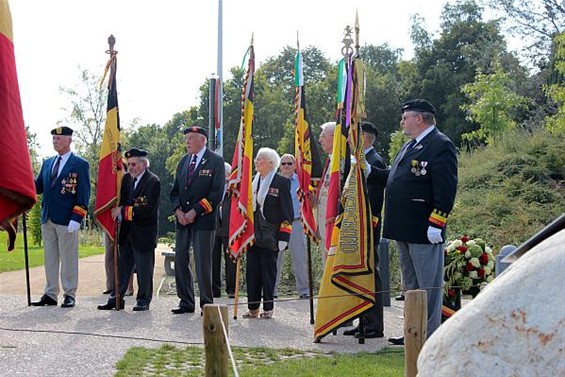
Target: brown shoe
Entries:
(251, 313)
(267, 314)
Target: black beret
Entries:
(134, 152)
(65, 131)
(369, 128)
(420, 105)
(196, 129)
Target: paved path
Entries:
(83, 341)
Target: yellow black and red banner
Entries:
(308, 161)
(348, 283)
(241, 228)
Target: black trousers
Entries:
(202, 242)
(261, 275)
(374, 318)
(220, 248)
(144, 262)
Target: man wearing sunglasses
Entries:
(297, 243)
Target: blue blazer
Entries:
(420, 188)
(68, 197)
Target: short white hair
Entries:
(330, 126)
(228, 168)
(271, 155)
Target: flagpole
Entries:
(220, 89)
(236, 289)
(310, 283)
(117, 292)
(26, 258)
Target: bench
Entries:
(169, 262)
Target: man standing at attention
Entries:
(297, 243)
(420, 193)
(64, 182)
(374, 319)
(138, 214)
(320, 202)
(197, 191)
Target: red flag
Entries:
(110, 166)
(17, 186)
(242, 232)
(308, 161)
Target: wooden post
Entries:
(215, 344)
(415, 328)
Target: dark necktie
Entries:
(191, 169)
(133, 184)
(399, 158)
(55, 171)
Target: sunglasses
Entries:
(287, 163)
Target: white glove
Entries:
(73, 226)
(434, 235)
(367, 166)
(282, 245)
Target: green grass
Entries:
(15, 260)
(257, 362)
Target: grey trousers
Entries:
(202, 242)
(61, 254)
(297, 246)
(422, 268)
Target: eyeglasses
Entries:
(287, 163)
(133, 164)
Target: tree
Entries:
(556, 122)
(87, 116)
(535, 22)
(491, 105)
(466, 45)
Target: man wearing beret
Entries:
(197, 191)
(64, 182)
(420, 192)
(138, 214)
(374, 319)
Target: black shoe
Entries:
(111, 305)
(371, 334)
(69, 302)
(45, 300)
(304, 296)
(181, 311)
(397, 341)
(107, 292)
(351, 332)
(231, 295)
(399, 298)
(140, 307)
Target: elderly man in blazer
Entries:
(420, 192)
(196, 193)
(64, 182)
(138, 214)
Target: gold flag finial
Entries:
(347, 40)
(357, 31)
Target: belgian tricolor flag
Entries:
(110, 167)
(17, 187)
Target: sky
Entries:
(167, 48)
